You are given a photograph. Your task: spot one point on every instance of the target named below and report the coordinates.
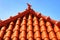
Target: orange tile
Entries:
(42, 28)
(35, 22)
(10, 28)
(41, 19)
(17, 27)
(36, 28)
(2, 34)
(52, 35)
(49, 28)
(44, 35)
(15, 34)
(18, 21)
(24, 18)
(35, 18)
(29, 34)
(29, 22)
(30, 17)
(41, 22)
(22, 34)
(23, 28)
(11, 23)
(3, 28)
(56, 28)
(29, 28)
(48, 23)
(8, 34)
(58, 35)
(37, 34)
(23, 22)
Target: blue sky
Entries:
(46, 7)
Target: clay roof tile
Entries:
(29, 28)
(42, 28)
(52, 35)
(56, 28)
(22, 34)
(30, 35)
(58, 35)
(8, 34)
(37, 34)
(23, 28)
(44, 35)
(3, 28)
(18, 21)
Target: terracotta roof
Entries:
(30, 25)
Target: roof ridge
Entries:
(47, 18)
(13, 18)
(26, 12)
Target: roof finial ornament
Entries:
(29, 6)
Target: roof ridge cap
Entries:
(14, 17)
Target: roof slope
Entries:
(29, 25)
